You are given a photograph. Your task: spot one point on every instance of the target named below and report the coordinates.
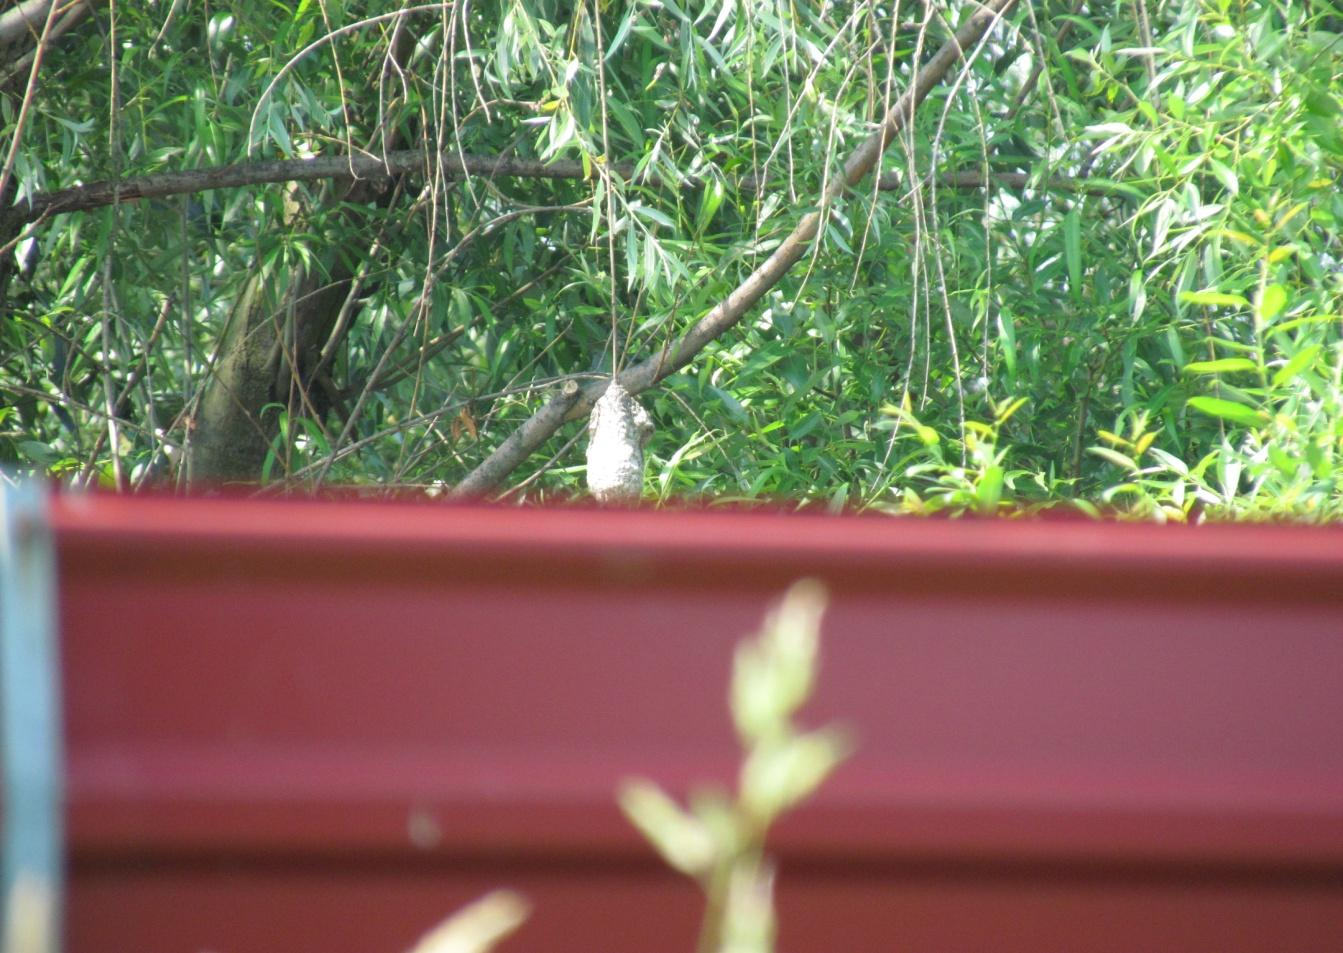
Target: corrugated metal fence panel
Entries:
(321, 726)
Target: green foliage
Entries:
(1121, 220)
(1281, 415)
(969, 476)
(720, 841)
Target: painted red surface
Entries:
(323, 726)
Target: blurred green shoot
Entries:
(476, 928)
(720, 841)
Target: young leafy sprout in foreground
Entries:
(477, 927)
(719, 841)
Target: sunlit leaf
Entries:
(1229, 410)
(1271, 302)
(1115, 457)
(1224, 365)
(1214, 299)
(1301, 360)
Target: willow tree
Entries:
(332, 242)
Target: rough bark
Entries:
(23, 20)
(374, 169)
(271, 347)
(229, 435)
(226, 436)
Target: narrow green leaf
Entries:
(1214, 299)
(652, 214)
(1225, 176)
(1072, 247)
(734, 406)
(1114, 456)
(1298, 363)
(1271, 303)
(989, 489)
(1137, 294)
(1295, 323)
(710, 200)
(1174, 345)
(1007, 342)
(622, 32)
(1224, 365)
(1286, 463)
(280, 135)
(1003, 414)
(1229, 410)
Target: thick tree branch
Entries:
(16, 26)
(24, 19)
(1079, 185)
(568, 406)
(164, 184)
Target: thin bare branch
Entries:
(29, 90)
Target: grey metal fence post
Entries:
(30, 724)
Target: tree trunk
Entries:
(227, 437)
(269, 349)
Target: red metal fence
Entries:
(323, 726)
